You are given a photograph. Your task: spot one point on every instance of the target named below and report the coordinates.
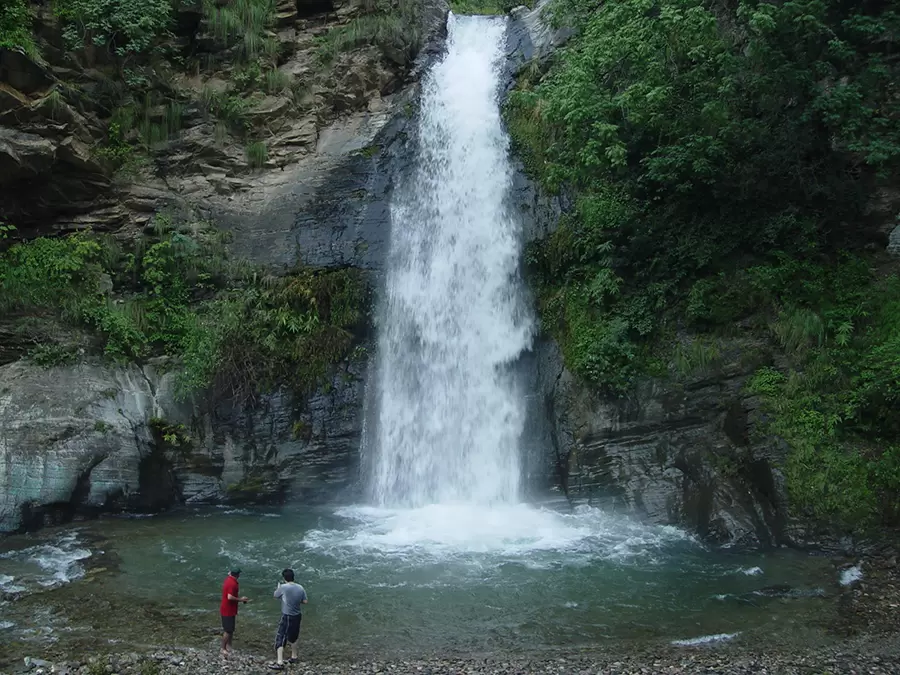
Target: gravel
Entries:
(872, 658)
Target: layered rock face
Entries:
(53, 180)
(683, 451)
(93, 437)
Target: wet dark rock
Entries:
(530, 37)
(673, 452)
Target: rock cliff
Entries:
(90, 437)
(685, 451)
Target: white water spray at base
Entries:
(450, 417)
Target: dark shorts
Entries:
(228, 623)
(288, 630)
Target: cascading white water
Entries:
(449, 414)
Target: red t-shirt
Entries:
(229, 607)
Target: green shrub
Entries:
(720, 160)
(230, 109)
(15, 26)
(50, 355)
(483, 6)
(835, 408)
(243, 23)
(285, 330)
(277, 81)
(50, 273)
(122, 26)
(236, 329)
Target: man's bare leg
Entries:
(226, 643)
(295, 651)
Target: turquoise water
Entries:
(421, 581)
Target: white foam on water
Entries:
(4, 625)
(750, 571)
(515, 532)
(57, 563)
(7, 585)
(570, 605)
(851, 575)
(61, 560)
(705, 639)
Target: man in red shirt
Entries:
(229, 608)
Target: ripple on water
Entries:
(750, 571)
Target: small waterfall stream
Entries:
(449, 415)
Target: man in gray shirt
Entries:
(292, 595)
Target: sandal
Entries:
(276, 666)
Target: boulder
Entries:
(269, 109)
(23, 155)
(21, 72)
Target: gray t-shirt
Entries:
(292, 596)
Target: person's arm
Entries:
(243, 598)
(278, 591)
(303, 601)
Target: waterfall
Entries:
(449, 413)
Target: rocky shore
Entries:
(873, 656)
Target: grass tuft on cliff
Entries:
(721, 162)
(237, 330)
(392, 26)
